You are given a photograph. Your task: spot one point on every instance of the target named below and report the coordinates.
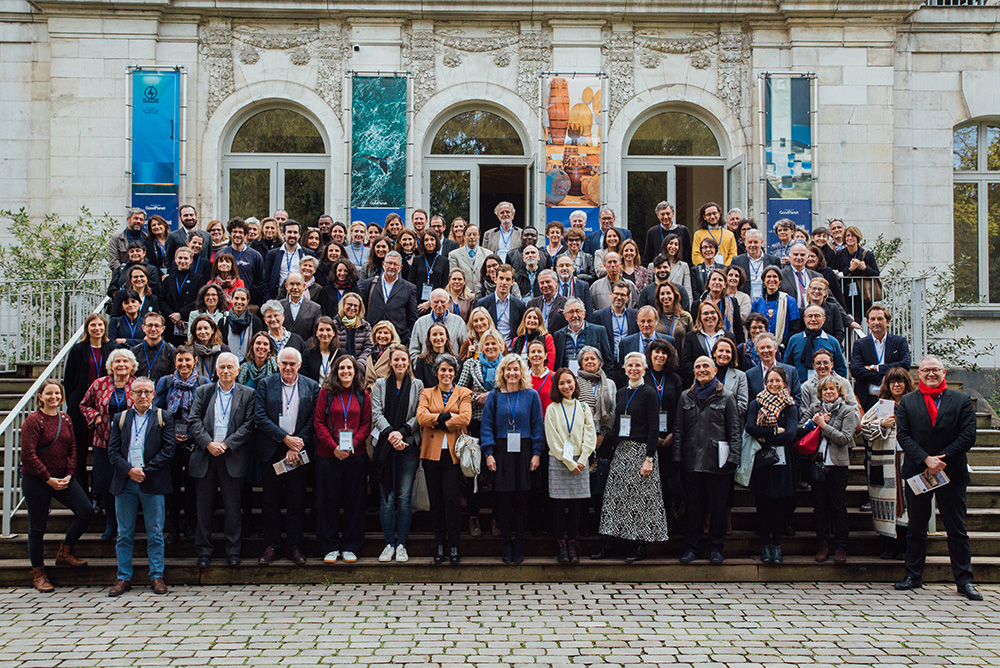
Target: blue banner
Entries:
(156, 141)
(788, 149)
(378, 142)
(799, 211)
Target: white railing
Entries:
(905, 297)
(37, 317)
(10, 428)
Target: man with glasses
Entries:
(517, 259)
(154, 354)
(936, 427)
(618, 319)
(595, 240)
(502, 240)
(440, 314)
(576, 335)
(391, 297)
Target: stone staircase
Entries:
(480, 557)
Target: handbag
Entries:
(871, 290)
(765, 458)
(808, 444)
(469, 455)
(421, 497)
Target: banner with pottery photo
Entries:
(573, 109)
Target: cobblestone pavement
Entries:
(603, 624)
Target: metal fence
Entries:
(905, 297)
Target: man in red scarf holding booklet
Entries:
(935, 428)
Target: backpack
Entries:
(469, 455)
(121, 418)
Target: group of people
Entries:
(589, 373)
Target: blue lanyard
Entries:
(430, 266)
(629, 399)
(505, 311)
(197, 264)
(163, 251)
(545, 379)
(878, 358)
(506, 240)
(512, 412)
(346, 409)
(386, 293)
(119, 400)
(324, 367)
(132, 324)
(145, 352)
(673, 322)
(222, 403)
(140, 427)
(178, 284)
(288, 261)
(350, 249)
(659, 384)
(446, 396)
(619, 324)
(569, 423)
(97, 363)
(288, 398)
(241, 253)
(128, 235)
(717, 241)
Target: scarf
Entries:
(810, 347)
(604, 401)
(181, 395)
(396, 405)
(831, 407)
(771, 406)
(349, 323)
(702, 393)
(751, 353)
(489, 370)
(931, 395)
(238, 325)
(250, 373)
(306, 297)
(202, 351)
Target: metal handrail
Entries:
(11, 430)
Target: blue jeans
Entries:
(396, 505)
(154, 511)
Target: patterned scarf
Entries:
(250, 373)
(771, 406)
(181, 395)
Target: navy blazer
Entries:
(755, 382)
(272, 270)
(594, 241)
(592, 335)
(517, 309)
(268, 409)
(743, 262)
(581, 290)
(556, 319)
(605, 319)
(953, 434)
(897, 354)
(633, 344)
(201, 430)
(157, 453)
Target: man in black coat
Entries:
(154, 355)
(577, 334)
(655, 236)
(300, 314)
(936, 427)
(661, 272)
(753, 263)
(505, 309)
(618, 320)
(180, 290)
(188, 227)
(873, 356)
(391, 298)
(550, 301)
(796, 276)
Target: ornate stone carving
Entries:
(500, 42)
(249, 56)
(619, 59)
(534, 57)
(332, 57)
(418, 53)
(698, 48)
(299, 56)
(734, 54)
(215, 46)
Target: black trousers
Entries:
(512, 509)
(706, 491)
(830, 500)
(217, 478)
(444, 489)
(566, 517)
(951, 505)
(82, 434)
(340, 483)
(38, 497)
(288, 490)
(183, 496)
(771, 513)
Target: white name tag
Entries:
(287, 423)
(513, 441)
(425, 292)
(574, 366)
(781, 455)
(874, 390)
(346, 441)
(219, 436)
(567, 453)
(852, 289)
(663, 422)
(625, 426)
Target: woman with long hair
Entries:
(136, 280)
(85, 364)
(270, 237)
(260, 361)
(707, 330)
(239, 324)
(380, 247)
(343, 422)
(342, 280)
(312, 239)
(480, 322)
(226, 275)
(728, 306)
(462, 300)
(532, 328)
(321, 350)
(438, 342)
(780, 309)
(711, 225)
(353, 330)
(383, 335)
(217, 233)
(672, 319)
(680, 271)
(396, 436)
(537, 359)
(816, 260)
(156, 243)
(206, 341)
(406, 245)
(328, 258)
(735, 278)
(612, 240)
(211, 302)
(632, 268)
(429, 269)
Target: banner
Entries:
(572, 113)
(156, 142)
(788, 150)
(378, 147)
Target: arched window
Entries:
(674, 133)
(976, 211)
(277, 159)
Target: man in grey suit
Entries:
(505, 238)
(220, 426)
(795, 277)
(470, 258)
(301, 314)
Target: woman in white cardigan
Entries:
(571, 436)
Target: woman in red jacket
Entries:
(48, 460)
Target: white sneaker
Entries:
(331, 557)
(401, 554)
(350, 557)
(386, 555)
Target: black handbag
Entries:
(765, 458)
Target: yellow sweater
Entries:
(727, 245)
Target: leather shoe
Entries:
(204, 562)
(715, 557)
(453, 555)
(159, 586)
(909, 582)
(270, 554)
(234, 560)
(638, 554)
(439, 555)
(297, 557)
(969, 591)
(606, 551)
(688, 557)
(119, 588)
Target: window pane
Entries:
(966, 207)
(993, 221)
(645, 190)
(673, 133)
(965, 149)
(278, 131)
(477, 133)
(450, 194)
(992, 148)
(249, 192)
(305, 194)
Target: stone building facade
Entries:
(898, 83)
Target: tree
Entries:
(53, 249)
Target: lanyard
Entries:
(222, 403)
(288, 398)
(512, 412)
(430, 265)
(505, 241)
(719, 240)
(576, 345)
(546, 309)
(346, 409)
(504, 312)
(132, 324)
(139, 427)
(569, 423)
(659, 384)
(288, 261)
(197, 264)
(119, 400)
(386, 293)
(325, 366)
(163, 251)
(445, 396)
(279, 343)
(670, 327)
(878, 358)
(454, 307)
(128, 235)
(755, 273)
(177, 282)
(619, 322)
(629, 399)
(354, 254)
(97, 362)
(241, 253)
(545, 379)
(145, 352)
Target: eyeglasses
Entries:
(142, 393)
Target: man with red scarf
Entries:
(935, 427)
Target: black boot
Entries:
(507, 550)
(607, 550)
(563, 552)
(638, 554)
(517, 554)
(439, 554)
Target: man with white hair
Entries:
(577, 334)
(578, 220)
(595, 240)
(440, 314)
(273, 314)
(391, 297)
(501, 240)
(754, 262)
(220, 427)
(284, 407)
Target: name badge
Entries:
(346, 441)
(781, 455)
(810, 374)
(852, 289)
(625, 426)
(287, 423)
(567, 453)
(663, 422)
(874, 390)
(219, 435)
(425, 292)
(513, 441)
(574, 366)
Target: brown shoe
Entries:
(64, 557)
(270, 554)
(297, 557)
(41, 581)
(159, 586)
(840, 556)
(823, 553)
(119, 588)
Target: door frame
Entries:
(472, 164)
(276, 163)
